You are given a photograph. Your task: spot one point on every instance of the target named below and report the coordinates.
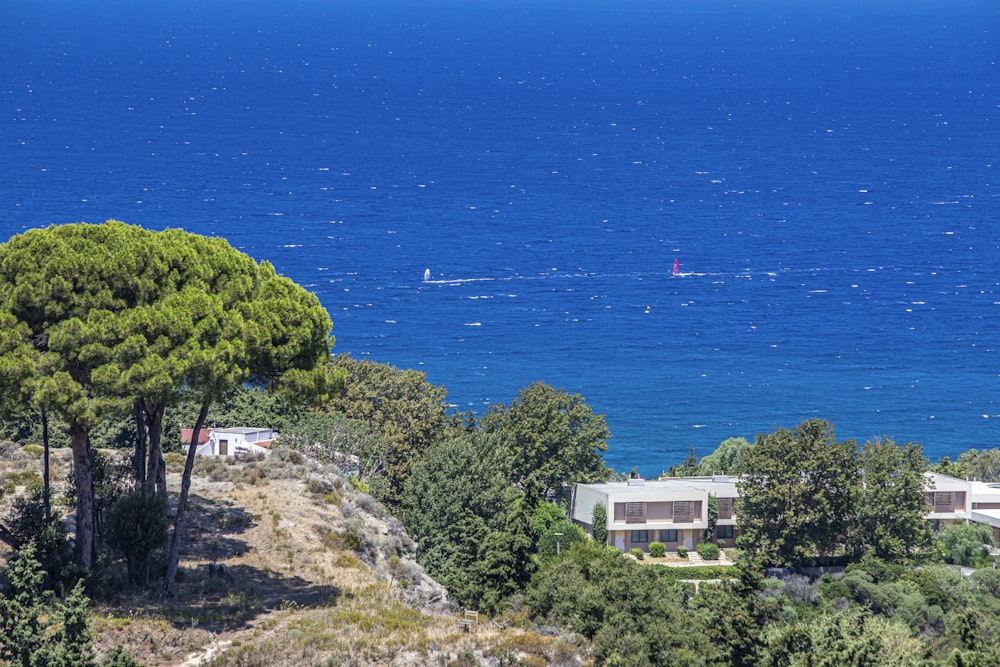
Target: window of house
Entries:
(944, 502)
(635, 512)
(724, 532)
(683, 511)
(640, 536)
(725, 508)
(668, 535)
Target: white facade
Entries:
(236, 442)
(670, 510)
(949, 499)
(675, 510)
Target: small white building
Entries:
(238, 441)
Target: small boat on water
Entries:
(677, 268)
(427, 275)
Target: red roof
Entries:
(203, 436)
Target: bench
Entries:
(469, 621)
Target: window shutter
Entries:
(635, 512)
(944, 501)
(725, 508)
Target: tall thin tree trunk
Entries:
(139, 458)
(153, 462)
(83, 478)
(46, 490)
(156, 471)
(175, 539)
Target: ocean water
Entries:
(825, 176)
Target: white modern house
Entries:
(674, 510)
(669, 510)
(238, 441)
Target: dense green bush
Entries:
(657, 550)
(549, 543)
(27, 522)
(39, 631)
(136, 526)
(637, 553)
(682, 551)
(633, 616)
(708, 550)
(700, 573)
(34, 451)
(966, 544)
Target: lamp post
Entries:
(558, 545)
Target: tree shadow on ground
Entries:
(211, 528)
(232, 601)
(222, 595)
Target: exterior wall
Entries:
(661, 511)
(234, 442)
(585, 498)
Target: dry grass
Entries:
(320, 575)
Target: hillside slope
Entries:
(315, 573)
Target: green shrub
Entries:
(701, 572)
(136, 526)
(682, 551)
(34, 451)
(29, 479)
(359, 485)
(549, 544)
(966, 545)
(175, 461)
(657, 549)
(119, 657)
(708, 550)
(637, 553)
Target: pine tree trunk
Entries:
(155, 473)
(154, 426)
(46, 490)
(83, 478)
(175, 539)
(139, 458)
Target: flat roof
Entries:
(721, 486)
(242, 430)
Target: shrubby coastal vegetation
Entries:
(406, 513)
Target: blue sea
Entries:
(824, 173)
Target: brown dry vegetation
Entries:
(319, 575)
